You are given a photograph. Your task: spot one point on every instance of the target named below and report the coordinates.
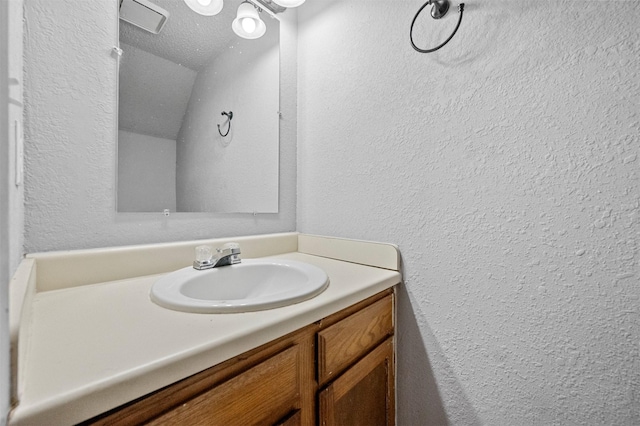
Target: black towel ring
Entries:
(440, 8)
(230, 115)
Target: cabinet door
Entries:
(344, 342)
(266, 394)
(364, 394)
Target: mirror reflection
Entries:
(198, 115)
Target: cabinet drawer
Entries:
(343, 343)
(264, 394)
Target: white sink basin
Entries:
(253, 285)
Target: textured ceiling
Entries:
(188, 39)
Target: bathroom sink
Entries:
(253, 285)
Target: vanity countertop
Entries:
(90, 348)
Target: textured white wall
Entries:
(146, 173)
(70, 107)
(506, 167)
(237, 173)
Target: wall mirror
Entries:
(177, 90)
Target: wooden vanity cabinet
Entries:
(356, 369)
(364, 394)
(337, 371)
(272, 384)
(268, 393)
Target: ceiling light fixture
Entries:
(205, 7)
(248, 23)
(268, 6)
(289, 3)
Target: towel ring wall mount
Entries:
(438, 10)
(230, 117)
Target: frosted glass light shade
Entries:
(240, 26)
(289, 3)
(205, 7)
(249, 25)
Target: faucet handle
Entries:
(234, 248)
(203, 253)
(233, 251)
(203, 258)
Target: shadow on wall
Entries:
(481, 30)
(419, 401)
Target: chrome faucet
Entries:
(228, 254)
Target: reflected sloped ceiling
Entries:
(154, 93)
(157, 71)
